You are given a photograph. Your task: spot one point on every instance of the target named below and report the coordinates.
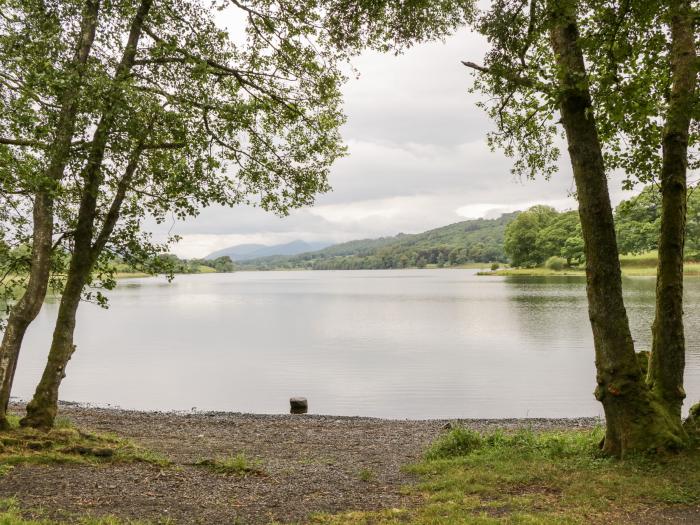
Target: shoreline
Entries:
(18, 404)
(309, 464)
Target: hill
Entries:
(243, 252)
(479, 240)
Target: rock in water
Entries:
(299, 405)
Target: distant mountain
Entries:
(244, 252)
(479, 240)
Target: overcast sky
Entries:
(417, 159)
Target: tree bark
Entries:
(635, 420)
(28, 306)
(41, 411)
(668, 340)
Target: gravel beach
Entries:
(309, 464)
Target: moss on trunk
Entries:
(668, 343)
(636, 420)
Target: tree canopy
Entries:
(638, 223)
(117, 113)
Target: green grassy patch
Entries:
(527, 477)
(238, 465)
(66, 444)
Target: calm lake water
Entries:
(395, 343)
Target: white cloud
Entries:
(417, 160)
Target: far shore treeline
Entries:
(525, 239)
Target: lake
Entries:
(386, 343)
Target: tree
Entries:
(178, 116)
(44, 106)
(638, 222)
(537, 69)
(223, 264)
(520, 238)
(562, 237)
(540, 233)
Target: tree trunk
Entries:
(41, 411)
(635, 420)
(668, 345)
(29, 305)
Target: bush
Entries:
(461, 442)
(458, 442)
(555, 263)
(495, 266)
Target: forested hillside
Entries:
(479, 240)
(526, 239)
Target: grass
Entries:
(10, 515)
(632, 266)
(538, 271)
(366, 475)
(66, 444)
(238, 465)
(526, 477)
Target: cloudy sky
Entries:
(417, 159)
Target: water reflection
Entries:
(408, 343)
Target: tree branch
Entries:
(510, 76)
(23, 142)
(164, 145)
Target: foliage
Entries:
(457, 442)
(526, 238)
(209, 117)
(692, 225)
(627, 54)
(172, 264)
(555, 263)
(562, 237)
(638, 223)
(520, 239)
(542, 232)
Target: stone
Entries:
(299, 405)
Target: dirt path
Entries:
(310, 464)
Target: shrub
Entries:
(495, 266)
(555, 263)
(458, 442)
(523, 443)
